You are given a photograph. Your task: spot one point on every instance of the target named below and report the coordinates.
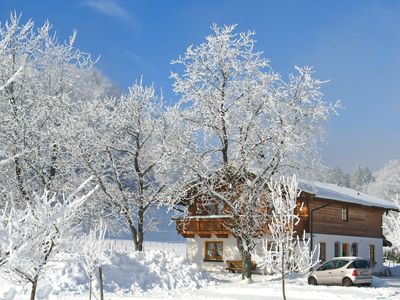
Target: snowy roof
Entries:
(339, 193)
(210, 217)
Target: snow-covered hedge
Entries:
(128, 273)
(151, 270)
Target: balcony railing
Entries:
(203, 226)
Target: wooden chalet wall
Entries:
(363, 221)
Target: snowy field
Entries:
(227, 286)
(165, 274)
(266, 287)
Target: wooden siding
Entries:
(363, 221)
(205, 227)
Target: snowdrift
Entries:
(152, 270)
(128, 273)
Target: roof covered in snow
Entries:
(339, 193)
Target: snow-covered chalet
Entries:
(343, 222)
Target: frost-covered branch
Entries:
(391, 223)
(11, 79)
(285, 250)
(90, 250)
(33, 236)
(43, 83)
(125, 149)
(238, 125)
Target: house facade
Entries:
(342, 221)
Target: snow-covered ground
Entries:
(267, 287)
(264, 287)
(129, 273)
(165, 274)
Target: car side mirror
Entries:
(311, 269)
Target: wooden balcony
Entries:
(204, 226)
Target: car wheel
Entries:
(347, 282)
(312, 281)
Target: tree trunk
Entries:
(134, 234)
(247, 265)
(90, 287)
(101, 283)
(53, 169)
(283, 272)
(140, 229)
(224, 138)
(246, 258)
(34, 286)
(18, 174)
(283, 286)
(139, 240)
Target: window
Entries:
(372, 253)
(345, 249)
(221, 208)
(214, 251)
(215, 209)
(212, 209)
(322, 252)
(354, 249)
(360, 264)
(345, 214)
(340, 263)
(337, 249)
(333, 264)
(329, 265)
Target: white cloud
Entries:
(110, 8)
(137, 59)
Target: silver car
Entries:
(346, 271)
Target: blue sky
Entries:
(354, 44)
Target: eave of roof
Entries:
(338, 193)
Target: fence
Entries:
(127, 245)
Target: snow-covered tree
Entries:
(335, 176)
(7, 217)
(240, 124)
(391, 223)
(123, 148)
(284, 250)
(43, 81)
(361, 178)
(11, 79)
(33, 237)
(91, 252)
(386, 184)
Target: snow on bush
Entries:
(151, 270)
(128, 273)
